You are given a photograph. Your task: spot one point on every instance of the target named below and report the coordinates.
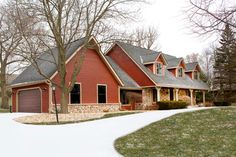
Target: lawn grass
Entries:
(107, 115)
(4, 110)
(205, 133)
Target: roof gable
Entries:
(174, 62)
(169, 80)
(46, 63)
(192, 67)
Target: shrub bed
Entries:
(222, 103)
(167, 105)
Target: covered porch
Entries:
(155, 94)
(148, 98)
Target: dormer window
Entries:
(195, 75)
(180, 72)
(159, 67)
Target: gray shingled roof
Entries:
(150, 57)
(173, 63)
(46, 64)
(125, 78)
(169, 80)
(191, 66)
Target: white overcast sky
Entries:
(176, 37)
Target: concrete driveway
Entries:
(88, 139)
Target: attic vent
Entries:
(141, 59)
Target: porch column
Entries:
(158, 93)
(191, 96)
(176, 94)
(204, 98)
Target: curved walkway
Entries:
(87, 139)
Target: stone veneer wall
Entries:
(147, 98)
(93, 108)
(165, 94)
(183, 93)
(184, 96)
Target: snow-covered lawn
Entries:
(88, 139)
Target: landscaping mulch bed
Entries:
(45, 118)
(50, 119)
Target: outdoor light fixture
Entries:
(53, 88)
(55, 101)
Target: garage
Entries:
(29, 101)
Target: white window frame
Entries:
(179, 73)
(161, 68)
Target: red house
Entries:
(96, 85)
(159, 76)
(127, 77)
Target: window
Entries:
(102, 94)
(195, 75)
(123, 97)
(75, 94)
(180, 72)
(154, 95)
(159, 68)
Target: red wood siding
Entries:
(45, 95)
(123, 60)
(93, 71)
(150, 67)
(190, 74)
(182, 65)
(160, 59)
(173, 71)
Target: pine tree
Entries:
(224, 68)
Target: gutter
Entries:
(27, 83)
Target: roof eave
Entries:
(28, 83)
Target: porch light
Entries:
(53, 87)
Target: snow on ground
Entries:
(87, 139)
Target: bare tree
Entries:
(65, 21)
(10, 39)
(193, 57)
(206, 60)
(145, 37)
(208, 16)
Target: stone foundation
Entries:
(90, 108)
(184, 96)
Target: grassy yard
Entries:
(202, 133)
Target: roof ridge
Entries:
(137, 46)
(151, 53)
(170, 55)
(192, 62)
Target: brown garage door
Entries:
(29, 101)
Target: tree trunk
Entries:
(64, 100)
(4, 96)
